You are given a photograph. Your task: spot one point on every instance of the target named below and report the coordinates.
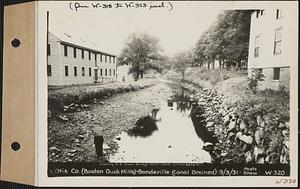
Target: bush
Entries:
(256, 76)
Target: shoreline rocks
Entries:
(242, 137)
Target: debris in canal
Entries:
(98, 141)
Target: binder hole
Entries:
(15, 146)
(15, 43)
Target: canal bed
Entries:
(166, 136)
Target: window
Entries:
(105, 58)
(48, 50)
(74, 52)
(277, 42)
(276, 74)
(278, 13)
(101, 72)
(114, 59)
(256, 48)
(109, 72)
(100, 57)
(83, 71)
(49, 70)
(105, 72)
(95, 57)
(114, 72)
(82, 54)
(259, 13)
(109, 59)
(65, 50)
(66, 71)
(90, 72)
(75, 71)
(89, 55)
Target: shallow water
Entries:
(166, 136)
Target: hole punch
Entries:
(15, 43)
(15, 146)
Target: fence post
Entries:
(98, 141)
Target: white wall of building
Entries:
(78, 62)
(54, 61)
(58, 61)
(123, 75)
(265, 26)
(109, 65)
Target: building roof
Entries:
(68, 39)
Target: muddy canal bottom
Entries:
(166, 136)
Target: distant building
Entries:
(74, 61)
(123, 75)
(272, 44)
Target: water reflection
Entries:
(144, 127)
(169, 134)
(182, 100)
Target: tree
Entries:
(181, 62)
(143, 53)
(226, 40)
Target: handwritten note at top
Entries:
(77, 6)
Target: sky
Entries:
(178, 29)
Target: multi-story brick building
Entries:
(273, 45)
(74, 61)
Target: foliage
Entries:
(226, 40)
(180, 63)
(256, 76)
(142, 52)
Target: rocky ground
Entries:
(71, 135)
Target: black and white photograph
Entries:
(169, 88)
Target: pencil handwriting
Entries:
(77, 6)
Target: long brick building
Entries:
(73, 61)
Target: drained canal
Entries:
(171, 134)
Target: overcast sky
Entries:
(178, 30)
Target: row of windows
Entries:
(106, 58)
(108, 72)
(112, 72)
(277, 16)
(277, 43)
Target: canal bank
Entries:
(246, 127)
(172, 122)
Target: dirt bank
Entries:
(74, 98)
